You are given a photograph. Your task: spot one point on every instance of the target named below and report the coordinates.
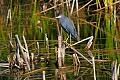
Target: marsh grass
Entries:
(100, 25)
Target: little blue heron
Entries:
(68, 26)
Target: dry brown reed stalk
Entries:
(115, 28)
(69, 45)
(26, 48)
(43, 75)
(73, 6)
(9, 60)
(89, 42)
(23, 52)
(63, 53)
(19, 61)
(80, 54)
(99, 4)
(78, 27)
(38, 47)
(68, 2)
(32, 58)
(58, 29)
(63, 76)
(59, 51)
(44, 8)
(115, 70)
(83, 6)
(14, 62)
(11, 46)
(17, 52)
(57, 24)
(92, 5)
(34, 71)
(38, 25)
(97, 60)
(56, 73)
(68, 5)
(5, 65)
(56, 52)
(76, 70)
(118, 68)
(106, 6)
(55, 9)
(77, 6)
(76, 63)
(62, 6)
(93, 62)
(61, 73)
(6, 71)
(9, 19)
(47, 46)
(45, 17)
(49, 9)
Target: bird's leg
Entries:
(70, 38)
(67, 39)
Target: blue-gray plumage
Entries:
(67, 25)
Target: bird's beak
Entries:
(58, 17)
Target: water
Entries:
(105, 47)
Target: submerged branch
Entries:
(80, 54)
(34, 71)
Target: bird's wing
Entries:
(64, 26)
(70, 27)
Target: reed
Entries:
(26, 48)
(44, 25)
(110, 29)
(47, 46)
(97, 32)
(44, 75)
(19, 30)
(24, 53)
(101, 28)
(59, 52)
(33, 58)
(38, 47)
(33, 28)
(76, 61)
(115, 70)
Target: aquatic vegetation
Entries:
(39, 34)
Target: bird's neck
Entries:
(62, 19)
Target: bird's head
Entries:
(60, 16)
